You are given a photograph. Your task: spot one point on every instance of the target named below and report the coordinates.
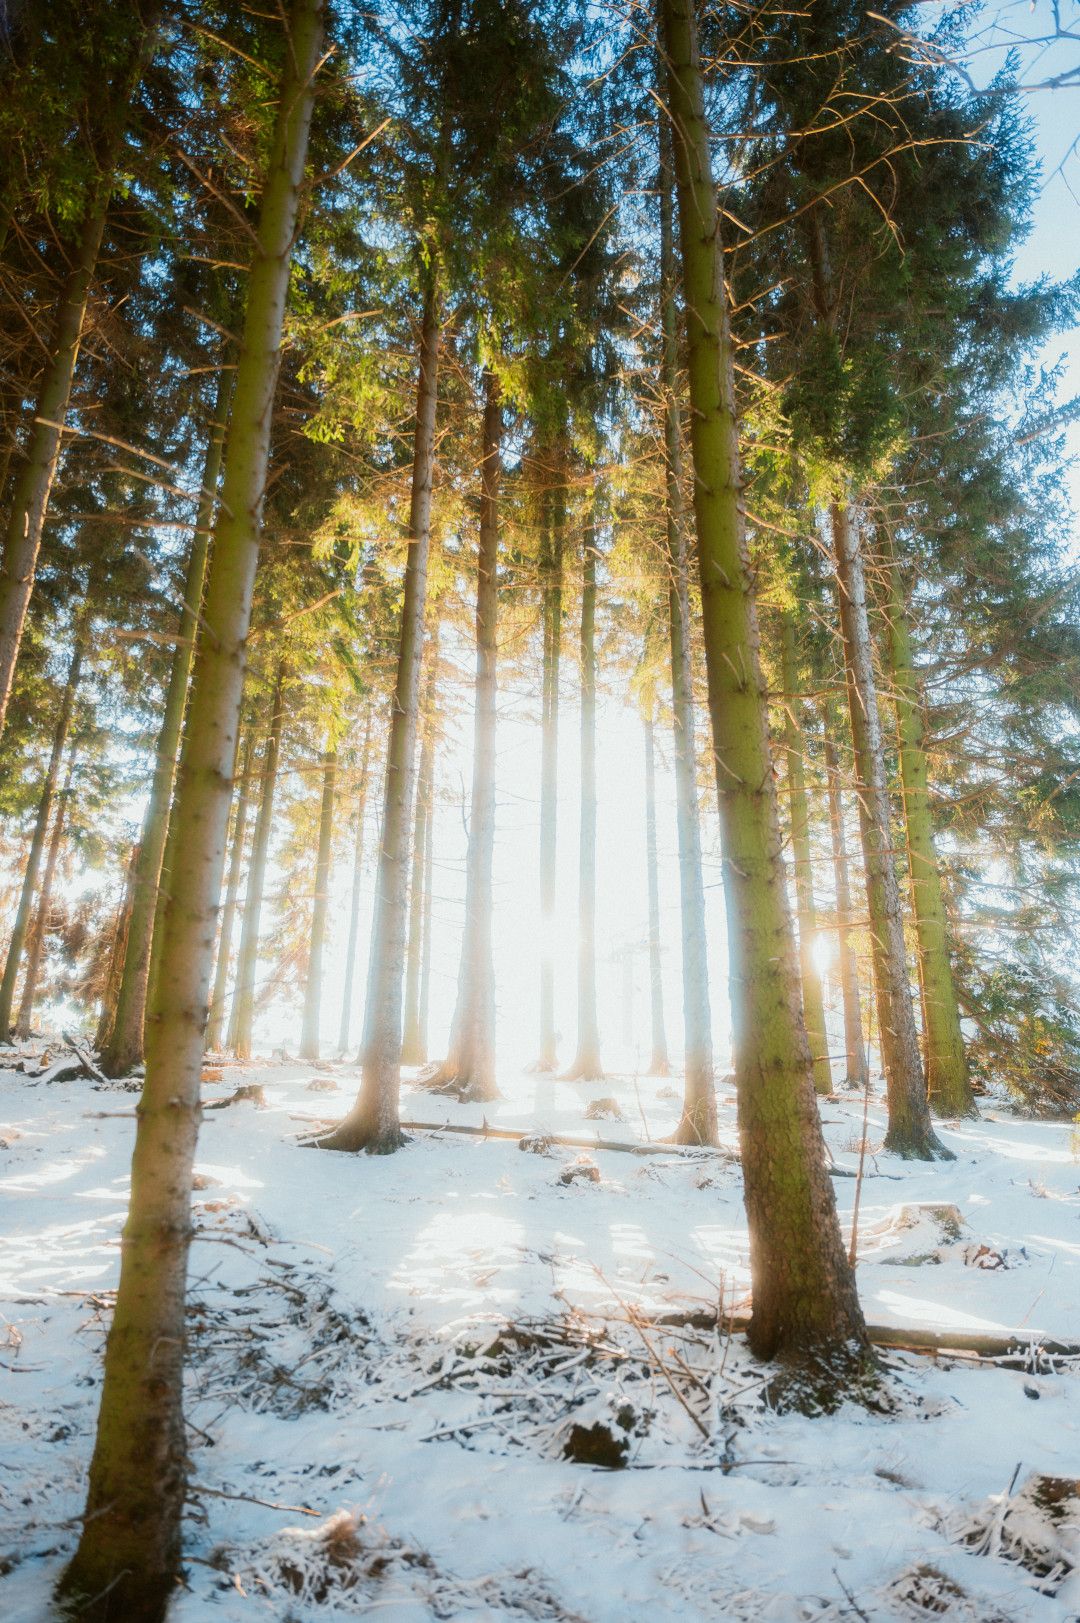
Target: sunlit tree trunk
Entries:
(354, 901)
(854, 1044)
(215, 1025)
(805, 1307)
(470, 1062)
(947, 1080)
(697, 1124)
(35, 944)
(551, 614)
(424, 1009)
(794, 752)
(413, 1045)
(124, 1049)
(910, 1132)
(41, 824)
(659, 1064)
(309, 1042)
(116, 953)
(129, 1548)
(242, 1022)
(374, 1123)
(586, 1065)
(36, 470)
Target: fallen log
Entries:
(514, 1135)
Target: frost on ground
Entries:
(437, 1384)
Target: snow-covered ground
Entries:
(351, 1368)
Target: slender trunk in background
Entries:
(242, 1023)
(948, 1084)
(129, 1548)
(35, 943)
(659, 1064)
(802, 856)
(426, 919)
(586, 1066)
(910, 1131)
(551, 613)
(116, 953)
(309, 1042)
(124, 1049)
(41, 824)
(469, 1067)
(374, 1123)
(215, 1025)
(354, 902)
(32, 485)
(413, 1046)
(858, 1070)
(805, 1307)
(697, 1124)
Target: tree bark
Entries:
(697, 1124)
(374, 1121)
(242, 1023)
(128, 1554)
(794, 749)
(124, 1049)
(469, 1067)
(116, 953)
(659, 1064)
(587, 1066)
(41, 824)
(858, 1071)
(354, 902)
(215, 1026)
(429, 897)
(948, 1084)
(551, 614)
(910, 1132)
(413, 1045)
(32, 485)
(805, 1307)
(36, 940)
(309, 1043)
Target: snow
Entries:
(349, 1358)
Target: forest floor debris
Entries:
(441, 1384)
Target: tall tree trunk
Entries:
(426, 918)
(128, 1554)
(124, 1049)
(241, 1025)
(948, 1084)
(309, 1042)
(33, 480)
(111, 988)
(697, 1124)
(413, 1046)
(354, 902)
(469, 1067)
(858, 1070)
(910, 1132)
(374, 1123)
(551, 613)
(794, 748)
(36, 940)
(215, 1025)
(659, 1064)
(586, 1066)
(806, 1310)
(41, 824)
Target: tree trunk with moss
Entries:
(215, 1025)
(587, 1066)
(469, 1067)
(309, 1041)
(126, 1564)
(697, 1124)
(41, 825)
(948, 1084)
(551, 566)
(659, 1063)
(910, 1131)
(124, 1049)
(802, 855)
(354, 901)
(242, 1022)
(374, 1123)
(36, 470)
(805, 1307)
(858, 1070)
(35, 943)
